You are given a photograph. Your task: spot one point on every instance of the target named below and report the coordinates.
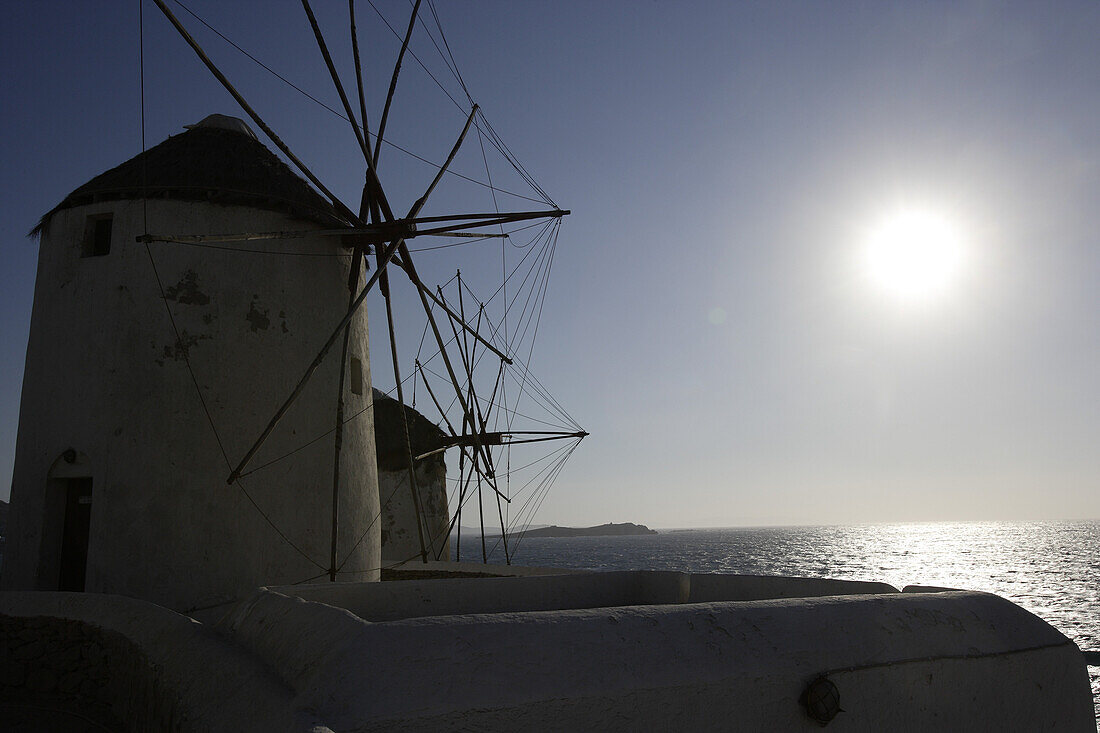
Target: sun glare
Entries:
(913, 255)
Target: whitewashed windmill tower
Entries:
(118, 469)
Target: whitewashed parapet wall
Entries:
(634, 651)
(108, 395)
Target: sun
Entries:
(913, 255)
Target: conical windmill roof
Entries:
(215, 162)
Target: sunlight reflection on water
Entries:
(1050, 568)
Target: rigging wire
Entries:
(494, 138)
(545, 492)
(536, 294)
(453, 64)
(450, 64)
(339, 114)
(417, 58)
(542, 472)
(530, 508)
(538, 318)
(498, 142)
(171, 318)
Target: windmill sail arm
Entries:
(416, 207)
(368, 233)
(492, 221)
(393, 80)
(509, 215)
(336, 81)
(500, 439)
(358, 69)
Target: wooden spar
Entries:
(405, 425)
(468, 366)
(481, 517)
(358, 69)
(438, 406)
(340, 207)
(501, 219)
(458, 514)
(471, 399)
(489, 476)
(500, 369)
(503, 530)
(339, 437)
(370, 233)
(353, 284)
(352, 232)
(372, 171)
(481, 418)
(372, 192)
(471, 235)
(463, 486)
(466, 362)
(416, 207)
(244, 237)
(393, 80)
(468, 357)
(487, 457)
(512, 216)
(336, 79)
(501, 439)
(235, 474)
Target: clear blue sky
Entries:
(710, 320)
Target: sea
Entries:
(1050, 568)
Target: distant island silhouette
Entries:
(602, 530)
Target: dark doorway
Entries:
(74, 540)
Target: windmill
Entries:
(199, 319)
(376, 229)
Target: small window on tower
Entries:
(97, 236)
(356, 376)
